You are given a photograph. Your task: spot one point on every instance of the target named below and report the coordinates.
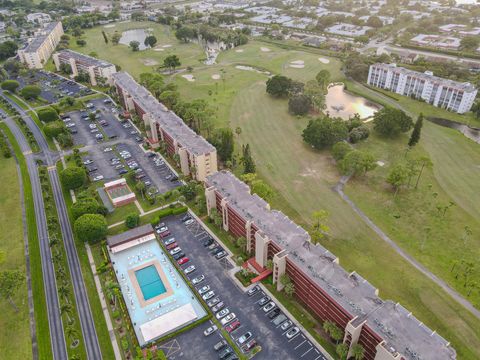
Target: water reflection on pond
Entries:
(134, 35)
(344, 105)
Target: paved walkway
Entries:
(453, 293)
(108, 320)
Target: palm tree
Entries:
(67, 310)
(64, 291)
(342, 351)
(71, 333)
(358, 352)
(110, 290)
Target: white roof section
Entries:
(120, 181)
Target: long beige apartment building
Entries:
(38, 51)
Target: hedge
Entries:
(167, 212)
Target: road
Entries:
(86, 320)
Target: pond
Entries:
(134, 35)
(344, 105)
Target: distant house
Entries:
(39, 18)
(438, 41)
(347, 30)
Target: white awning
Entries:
(129, 244)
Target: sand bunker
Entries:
(189, 77)
(297, 62)
(239, 50)
(149, 62)
(265, 49)
(297, 66)
(215, 77)
(249, 68)
(380, 163)
(323, 60)
(158, 49)
(109, 26)
(167, 46)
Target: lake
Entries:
(344, 105)
(134, 35)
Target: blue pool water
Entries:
(150, 282)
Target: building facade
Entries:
(38, 51)
(80, 63)
(386, 330)
(196, 156)
(443, 93)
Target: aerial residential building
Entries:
(385, 329)
(39, 18)
(451, 95)
(38, 51)
(197, 157)
(79, 63)
(347, 30)
(438, 41)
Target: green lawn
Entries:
(120, 213)
(12, 246)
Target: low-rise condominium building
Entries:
(443, 93)
(196, 156)
(38, 51)
(385, 329)
(80, 63)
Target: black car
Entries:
(91, 169)
(225, 353)
(174, 178)
(151, 154)
(274, 313)
(186, 217)
(179, 255)
(208, 242)
(123, 171)
(217, 250)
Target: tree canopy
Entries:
(87, 205)
(324, 131)
(47, 114)
(73, 177)
(299, 104)
(10, 85)
(357, 162)
(171, 62)
(417, 130)
(132, 220)
(391, 122)
(150, 41)
(91, 228)
(54, 128)
(279, 86)
(31, 92)
(134, 45)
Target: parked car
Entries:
(269, 306)
(107, 149)
(189, 269)
(203, 289)
(210, 330)
(189, 221)
(183, 261)
(198, 279)
(213, 302)
(253, 290)
(264, 300)
(221, 254)
(87, 162)
(249, 345)
(286, 325)
(208, 242)
(165, 233)
(227, 319)
(225, 353)
(98, 178)
(218, 307)
(292, 332)
(232, 326)
(162, 228)
(123, 171)
(279, 319)
(208, 296)
(171, 246)
(220, 345)
(169, 241)
(274, 313)
(186, 217)
(245, 337)
(179, 255)
(175, 251)
(222, 313)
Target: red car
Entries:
(165, 233)
(232, 326)
(183, 261)
(171, 246)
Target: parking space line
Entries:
(296, 347)
(306, 352)
(293, 338)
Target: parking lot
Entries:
(246, 309)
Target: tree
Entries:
(425, 162)
(225, 144)
(215, 217)
(391, 122)
(132, 220)
(319, 229)
(299, 104)
(242, 242)
(171, 62)
(73, 177)
(398, 177)
(279, 86)
(316, 94)
(289, 289)
(105, 38)
(357, 162)
(10, 85)
(342, 351)
(333, 330)
(323, 79)
(88, 205)
(66, 68)
(7, 50)
(340, 149)
(374, 21)
(54, 128)
(358, 133)
(150, 41)
(81, 42)
(169, 98)
(91, 228)
(324, 132)
(30, 92)
(134, 45)
(10, 282)
(417, 129)
(116, 36)
(470, 42)
(185, 34)
(47, 114)
(358, 352)
(247, 160)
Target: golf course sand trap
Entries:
(249, 68)
(265, 49)
(323, 60)
(167, 46)
(189, 77)
(149, 62)
(239, 50)
(215, 77)
(109, 26)
(158, 49)
(297, 64)
(380, 163)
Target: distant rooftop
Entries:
(167, 119)
(39, 39)
(129, 235)
(428, 76)
(400, 330)
(85, 58)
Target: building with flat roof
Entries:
(39, 18)
(38, 51)
(80, 63)
(345, 29)
(437, 41)
(444, 93)
(197, 156)
(119, 193)
(385, 329)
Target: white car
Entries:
(286, 325)
(175, 251)
(292, 332)
(227, 319)
(208, 295)
(92, 126)
(189, 269)
(69, 125)
(66, 119)
(210, 330)
(204, 289)
(269, 306)
(213, 302)
(87, 162)
(245, 337)
(189, 221)
(198, 279)
(222, 313)
(98, 178)
(108, 149)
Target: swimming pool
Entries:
(150, 282)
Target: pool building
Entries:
(157, 298)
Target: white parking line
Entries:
(306, 352)
(296, 347)
(318, 357)
(295, 338)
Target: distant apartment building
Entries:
(197, 157)
(39, 18)
(444, 93)
(79, 63)
(345, 29)
(38, 51)
(438, 41)
(385, 329)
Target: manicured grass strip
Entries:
(40, 305)
(34, 116)
(17, 100)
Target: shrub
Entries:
(340, 150)
(91, 228)
(30, 92)
(359, 133)
(87, 205)
(10, 85)
(132, 220)
(47, 114)
(54, 128)
(324, 132)
(299, 104)
(73, 177)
